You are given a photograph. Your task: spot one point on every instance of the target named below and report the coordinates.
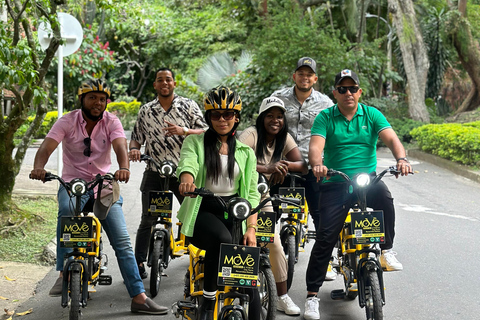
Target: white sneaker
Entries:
(331, 274)
(311, 309)
(286, 305)
(389, 262)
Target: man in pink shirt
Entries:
(88, 135)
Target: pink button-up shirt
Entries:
(70, 129)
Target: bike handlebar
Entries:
(90, 185)
(274, 199)
(391, 170)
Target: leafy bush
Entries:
(125, 111)
(453, 141)
(403, 127)
(47, 124)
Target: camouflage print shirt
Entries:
(300, 117)
(151, 120)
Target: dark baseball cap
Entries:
(346, 73)
(306, 61)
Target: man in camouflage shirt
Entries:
(303, 103)
(162, 125)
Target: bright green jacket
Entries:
(192, 160)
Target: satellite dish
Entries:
(71, 31)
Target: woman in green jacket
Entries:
(217, 161)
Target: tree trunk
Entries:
(11, 156)
(468, 54)
(414, 56)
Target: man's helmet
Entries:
(96, 85)
(222, 98)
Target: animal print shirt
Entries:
(152, 119)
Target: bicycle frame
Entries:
(359, 263)
(193, 281)
(87, 252)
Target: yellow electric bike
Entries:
(238, 267)
(358, 247)
(163, 246)
(84, 267)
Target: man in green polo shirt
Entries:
(346, 134)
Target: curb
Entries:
(459, 169)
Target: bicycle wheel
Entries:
(157, 266)
(75, 295)
(374, 303)
(268, 293)
(289, 249)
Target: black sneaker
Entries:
(143, 273)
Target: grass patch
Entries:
(27, 228)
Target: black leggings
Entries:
(211, 229)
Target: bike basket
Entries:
(297, 193)
(77, 232)
(160, 204)
(265, 227)
(368, 227)
(238, 266)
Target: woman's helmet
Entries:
(96, 85)
(222, 98)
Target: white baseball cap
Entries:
(271, 102)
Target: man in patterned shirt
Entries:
(303, 103)
(162, 125)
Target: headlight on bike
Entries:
(167, 168)
(79, 187)
(262, 185)
(362, 180)
(239, 208)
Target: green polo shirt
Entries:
(350, 146)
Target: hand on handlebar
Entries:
(186, 187)
(134, 155)
(405, 168)
(320, 171)
(38, 174)
(122, 175)
(249, 238)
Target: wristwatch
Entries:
(185, 130)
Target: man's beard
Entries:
(304, 89)
(91, 116)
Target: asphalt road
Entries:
(436, 240)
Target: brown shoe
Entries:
(56, 290)
(149, 307)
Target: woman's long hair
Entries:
(280, 138)
(212, 156)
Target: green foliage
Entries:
(47, 124)
(122, 107)
(286, 35)
(17, 68)
(26, 243)
(93, 60)
(438, 52)
(125, 111)
(453, 141)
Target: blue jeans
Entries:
(116, 230)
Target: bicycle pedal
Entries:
(105, 280)
(186, 305)
(338, 294)
(311, 235)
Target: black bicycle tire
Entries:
(268, 293)
(289, 249)
(375, 291)
(75, 295)
(156, 270)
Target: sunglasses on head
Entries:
(87, 142)
(343, 90)
(227, 115)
